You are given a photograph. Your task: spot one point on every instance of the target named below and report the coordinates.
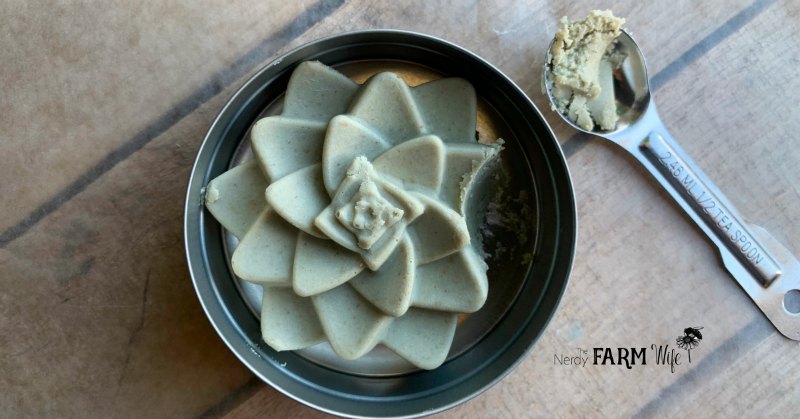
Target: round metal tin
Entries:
(526, 292)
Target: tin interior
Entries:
(527, 278)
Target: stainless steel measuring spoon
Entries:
(764, 268)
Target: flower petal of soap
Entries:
(409, 202)
(320, 265)
(337, 221)
(283, 145)
(456, 283)
(236, 197)
(352, 324)
(449, 108)
(438, 232)
(299, 198)
(378, 254)
(317, 92)
(375, 256)
(415, 163)
(347, 138)
(288, 321)
(391, 287)
(330, 226)
(266, 253)
(386, 104)
(462, 164)
(423, 337)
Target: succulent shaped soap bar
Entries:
(352, 218)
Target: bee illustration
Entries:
(693, 331)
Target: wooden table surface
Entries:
(105, 104)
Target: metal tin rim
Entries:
(510, 346)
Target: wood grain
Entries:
(156, 65)
(98, 317)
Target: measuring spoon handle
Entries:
(708, 206)
(767, 274)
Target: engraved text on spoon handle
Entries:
(711, 207)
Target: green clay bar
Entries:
(351, 216)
